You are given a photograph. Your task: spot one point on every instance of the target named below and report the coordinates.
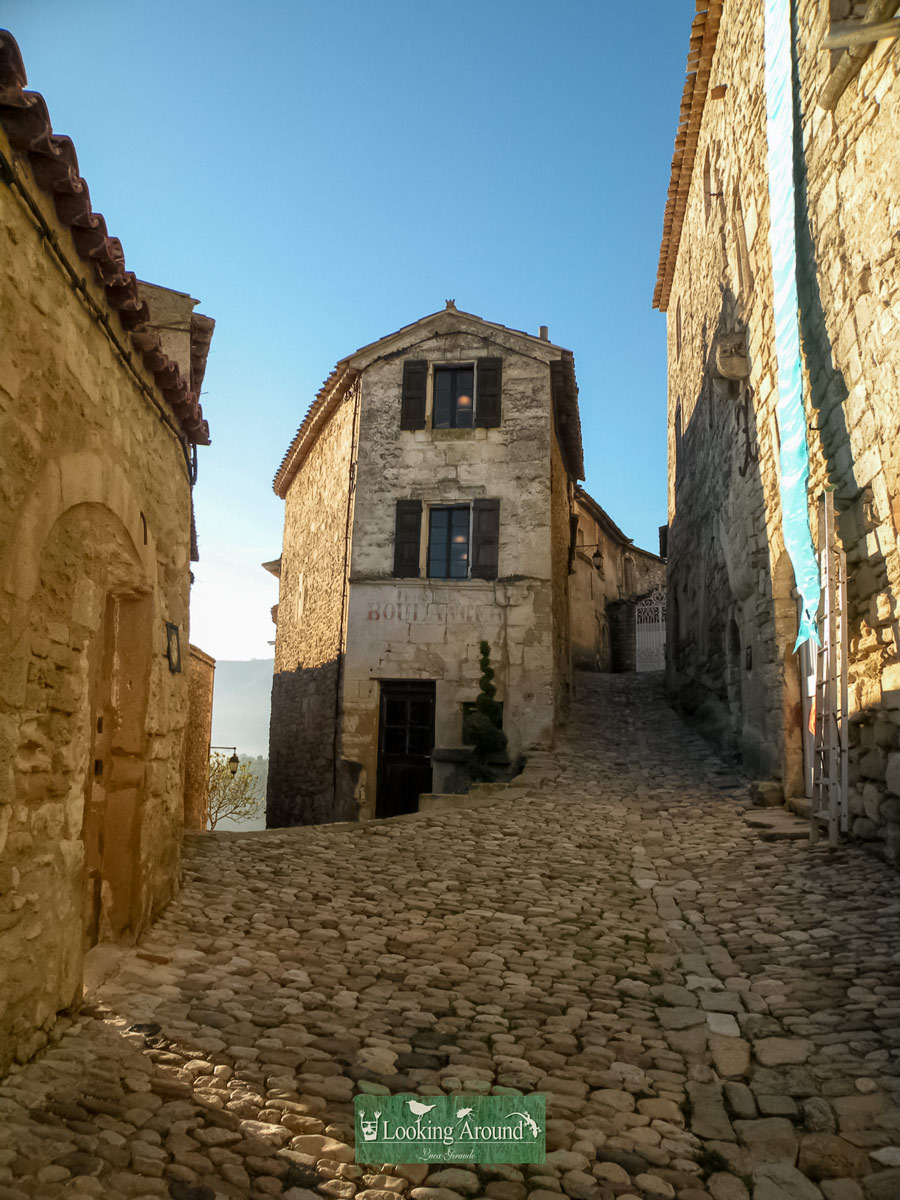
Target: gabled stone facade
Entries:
(732, 610)
(379, 620)
(97, 424)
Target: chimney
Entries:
(545, 334)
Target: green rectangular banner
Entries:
(450, 1129)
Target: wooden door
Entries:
(405, 743)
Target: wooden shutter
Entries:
(487, 393)
(412, 405)
(485, 538)
(407, 538)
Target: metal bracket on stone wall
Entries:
(732, 358)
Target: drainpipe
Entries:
(345, 591)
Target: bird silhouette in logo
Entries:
(418, 1108)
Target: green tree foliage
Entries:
(232, 796)
(483, 727)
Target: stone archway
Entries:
(85, 652)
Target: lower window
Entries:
(448, 542)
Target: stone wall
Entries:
(198, 735)
(622, 635)
(308, 641)
(95, 517)
(732, 618)
(851, 302)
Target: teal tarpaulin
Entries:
(794, 472)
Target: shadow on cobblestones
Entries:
(706, 1012)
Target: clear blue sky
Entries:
(320, 173)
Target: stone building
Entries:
(608, 578)
(100, 419)
(733, 608)
(428, 505)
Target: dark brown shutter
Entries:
(485, 538)
(412, 405)
(407, 538)
(487, 392)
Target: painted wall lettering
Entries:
(407, 612)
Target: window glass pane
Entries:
(420, 741)
(448, 543)
(465, 398)
(420, 713)
(395, 740)
(459, 543)
(443, 399)
(437, 542)
(395, 712)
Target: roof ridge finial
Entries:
(451, 304)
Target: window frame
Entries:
(454, 369)
(466, 507)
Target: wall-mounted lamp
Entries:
(173, 647)
(234, 762)
(597, 556)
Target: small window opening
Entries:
(454, 398)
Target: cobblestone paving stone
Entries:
(710, 1014)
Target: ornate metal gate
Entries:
(650, 631)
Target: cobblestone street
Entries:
(709, 1013)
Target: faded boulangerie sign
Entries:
(409, 611)
(445, 1129)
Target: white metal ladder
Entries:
(830, 801)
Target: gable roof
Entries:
(704, 34)
(53, 161)
(564, 388)
(449, 315)
(606, 523)
(601, 516)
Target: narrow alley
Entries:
(709, 1013)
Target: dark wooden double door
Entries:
(405, 743)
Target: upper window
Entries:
(448, 542)
(454, 398)
(462, 396)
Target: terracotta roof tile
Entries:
(704, 34)
(53, 161)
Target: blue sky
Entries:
(319, 174)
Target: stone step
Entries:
(800, 806)
(777, 824)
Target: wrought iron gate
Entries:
(650, 632)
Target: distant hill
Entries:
(242, 696)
